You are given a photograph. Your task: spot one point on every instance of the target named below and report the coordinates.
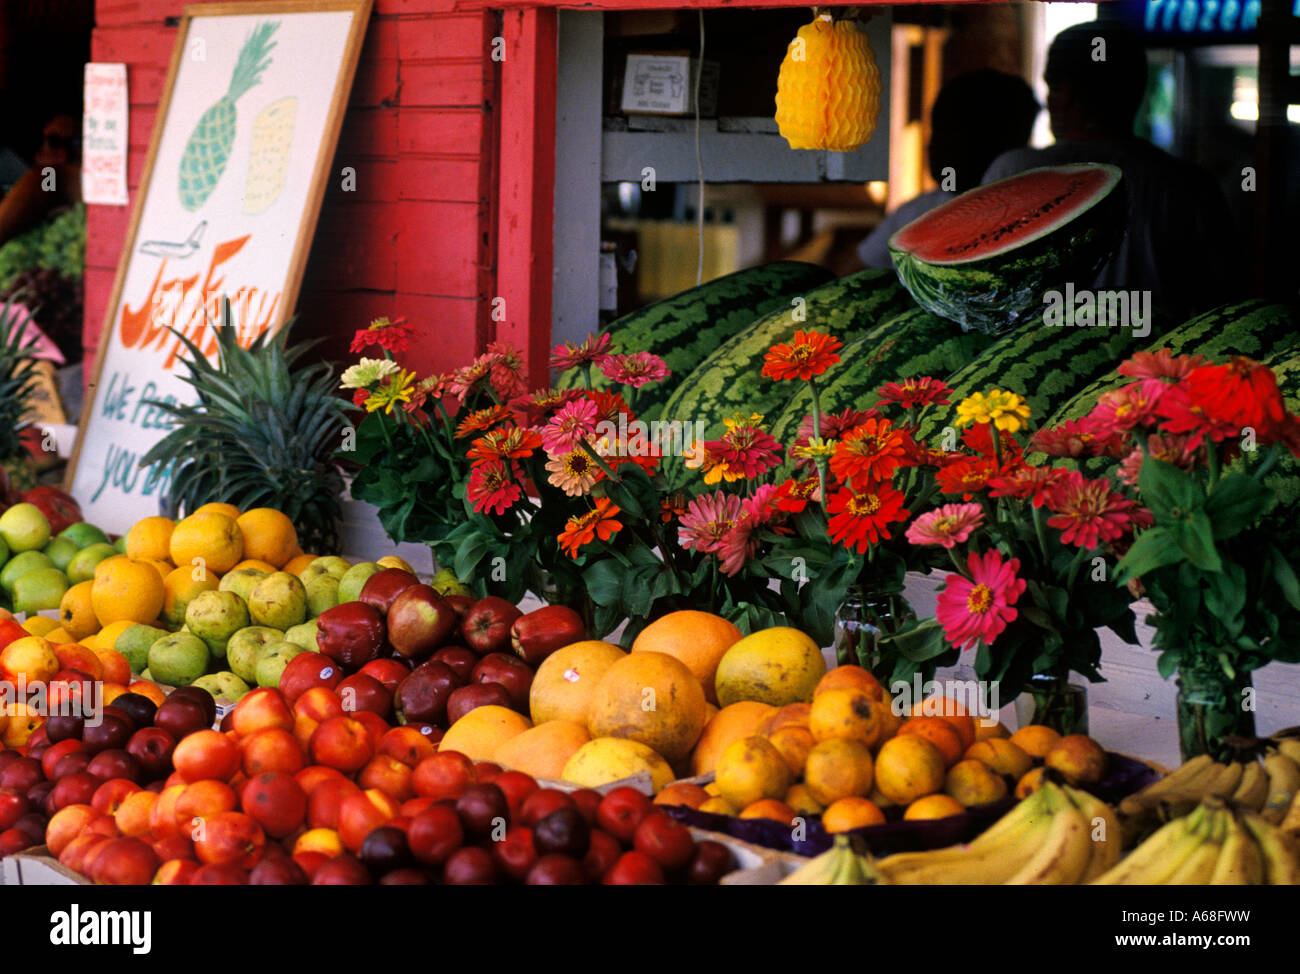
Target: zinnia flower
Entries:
(1034, 483)
(793, 495)
(465, 380)
(572, 423)
(1242, 393)
(1120, 410)
(1005, 410)
(574, 473)
(534, 406)
(979, 608)
(1180, 451)
(396, 389)
(916, 393)
(430, 387)
(979, 439)
(672, 506)
(707, 521)
(367, 373)
(966, 477)
(811, 353)
(635, 370)
(835, 425)
(1088, 512)
(585, 528)
(570, 356)
(393, 335)
(505, 371)
(490, 488)
(949, 525)
(859, 518)
(514, 443)
(481, 419)
(1181, 412)
(746, 449)
(871, 451)
(1072, 439)
(610, 406)
(739, 543)
(1160, 364)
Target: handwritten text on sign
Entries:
(104, 135)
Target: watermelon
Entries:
(986, 258)
(910, 345)
(686, 327)
(730, 380)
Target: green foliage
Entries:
(58, 243)
(17, 381)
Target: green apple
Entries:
(4, 551)
(82, 566)
(353, 579)
(322, 594)
(84, 534)
(445, 582)
(61, 551)
(214, 617)
(279, 600)
(24, 528)
(19, 565)
(223, 685)
(241, 581)
(327, 565)
(304, 635)
(134, 644)
(39, 589)
(271, 664)
(178, 659)
(119, 545)
(244, 649)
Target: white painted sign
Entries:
(664, 84)
(104, 135)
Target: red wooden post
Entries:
(526, 184)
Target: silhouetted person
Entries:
(975, 117)
(1180, 239)
(32, 196)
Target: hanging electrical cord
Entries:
(699, 165)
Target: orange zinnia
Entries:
(868, 452)
(585, 528)
(811, 353)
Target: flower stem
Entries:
(600, 462)
(817, 435)
(1040, 530)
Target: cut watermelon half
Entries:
(986, 258)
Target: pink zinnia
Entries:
(979, 608)
(1089, 512)
(708, 520)
(635, 370)
(1160, 364)
(570, 356)
(571, 425)
(490, 488)
(505, 371)
(1119, 410)
(739, 543)
(1178, 450)
(747, 450)
(1072, 439)
(949, 525)
(835, 425)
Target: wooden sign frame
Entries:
(361, 12)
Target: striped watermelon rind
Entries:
(730, 380)
(685, 328)
(1007, 288)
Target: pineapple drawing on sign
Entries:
(208, 150)
(268, 159)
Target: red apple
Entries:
(602, 853)
(465, 699)
(435, 834)
(621, 811)
(539, 633)
(361, 692)
(486, 626)
(542, 803)
(459, 659)
(461, 603)
(342, 743)
(443, 775)
(511, 672)
(152, 747)
(634, 869)
(383, 587)
(351, 634)
(308, 670)
(515, 853)
(389, 672)
(59, 507)
(665, 840)
(423, 695)
(419, 621)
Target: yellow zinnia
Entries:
(1005, 410)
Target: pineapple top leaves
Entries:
(254, 58)
(262, 434)
(17, 380)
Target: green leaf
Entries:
(1285, 577)
(1195, 538)
(469, 554)
(1037, 616)
(604, 582)
(1167, 490)
(1236, 502)
(918, 642)
(1154, 548)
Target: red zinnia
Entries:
(394, 335)
(811, 353)
(570, 356)
(966, 477)
(514, 443)
(914, 393)
(1242, 393)
(747, 450)
(793, 495)
(1089, 512)
(490, 488)
(1160, 364)
(481, 419)
(859, 518)
(1035, 483)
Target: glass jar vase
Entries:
(1211, 707)
(862, 619)
(1053, 701)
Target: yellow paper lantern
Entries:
(828, 90)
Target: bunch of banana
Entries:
(1200, 778)
(1283, 769)
(839, 866)
(1056, 836)
(1213, 845)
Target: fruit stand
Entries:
(788, 578)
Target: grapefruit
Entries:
(698, 639)
(544, 750)
(780, 665)
(563, 685)
(729, 724)
(652, 698)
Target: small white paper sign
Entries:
(104, 135)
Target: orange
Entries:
(973, 782)
(682, 793)
(939, 732)
(907, 768)
(180, 588)
(985, 731)
(163, 568)
(933, 806)
(1079, 758)
(106, 638)
(1035, 740)
(652, 698)
(269, 535)
(950, 710)
(1031, 782)
(213, 537)
(76, 612)
(801, 800)
(838, 768)
(771, 808)
(30, 657)
(1002, 756)
(230, 510)
(719, 806)
(542, 751)
(126, 589)
(698, 639)
(795, 743)
(796, 714)
(298, 564)
(853, 812)
(479, 733)
(750, 769)
(850, 677)
(117, 669)
(566, 680)
(848, 712)
(727, 725)
(265, 567)
(149, 539)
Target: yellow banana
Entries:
(1198, 867)
(1106, 847)
(1283, 786)
(1281, 856)
(1226, 782)
(1240, 861)
(1152, 794)
(1155, 859)
(1290, 746)
(1290, 823)
(1064, 854)
(988, 867)
(838, 866)
(1253, 789)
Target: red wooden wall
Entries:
(415, 238)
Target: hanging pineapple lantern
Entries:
(828, 90)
